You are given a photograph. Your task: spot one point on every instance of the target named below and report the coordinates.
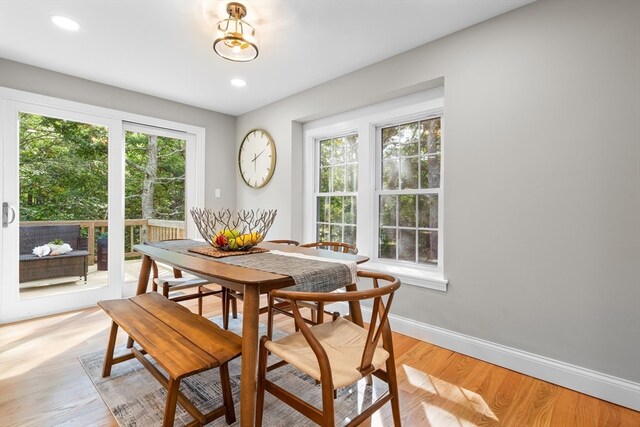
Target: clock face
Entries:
(257, 158)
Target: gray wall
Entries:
(219, 128)
(542, 177)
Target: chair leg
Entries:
(327, 405)
(393, 389)
(320, 312)
(172, 400)
(270, 303)
(225, 384)
(234, 307)
(225, 308)
(108, 356)
(200, 300)
(262, 372)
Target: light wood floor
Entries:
(43, 384)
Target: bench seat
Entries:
(181, 342)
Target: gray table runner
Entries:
(309, 275)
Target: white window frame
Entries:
(366, 122)
(316, 181)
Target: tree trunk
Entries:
(150, 177)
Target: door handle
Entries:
(5, 214)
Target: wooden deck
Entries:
(95, 279)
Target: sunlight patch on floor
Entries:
(35, 346)
(451, 393)
(437, 416)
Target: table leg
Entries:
(250, 317)
(143, 279)
(354, 307)
(143, 282)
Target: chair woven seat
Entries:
(344, 343)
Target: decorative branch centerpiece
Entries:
(233, 231)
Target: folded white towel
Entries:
(41, 251)
(63, 249)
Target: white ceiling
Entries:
(163, 47)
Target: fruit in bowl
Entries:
(233, 231)
(233, 240)
(220, 240)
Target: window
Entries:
(336, 189)
(408, 191)
(374, 178)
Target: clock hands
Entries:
(255, 157)
(258, 155)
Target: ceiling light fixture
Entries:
(65, 23)
(238, 83)
(236, 38)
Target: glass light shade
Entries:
(66, 23)
(236, 41)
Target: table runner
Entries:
(309, 275)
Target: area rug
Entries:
(136, 399)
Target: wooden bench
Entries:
(181, 342)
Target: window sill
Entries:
(411, 275)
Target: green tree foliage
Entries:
(338, 175)
(410, 165)
(169, 192)
(63, 169)
(64, 172)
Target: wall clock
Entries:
(257, 158)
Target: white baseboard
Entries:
(606, 387)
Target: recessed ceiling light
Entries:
(238, 82)
(66, 23)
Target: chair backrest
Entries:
(285, 241)
(378, 324)
(346, 248)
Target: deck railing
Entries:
(136, 231)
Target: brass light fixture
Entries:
(236, 39)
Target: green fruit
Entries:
(231, 234)
(233, 244)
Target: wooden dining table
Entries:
(249, 281)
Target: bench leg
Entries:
(108, 357)
(172, 400)
(225, 384)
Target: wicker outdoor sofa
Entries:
(74, 263)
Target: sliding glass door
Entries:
(81, 186)
(156, 194)
(61, 185)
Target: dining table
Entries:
(249, 280)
